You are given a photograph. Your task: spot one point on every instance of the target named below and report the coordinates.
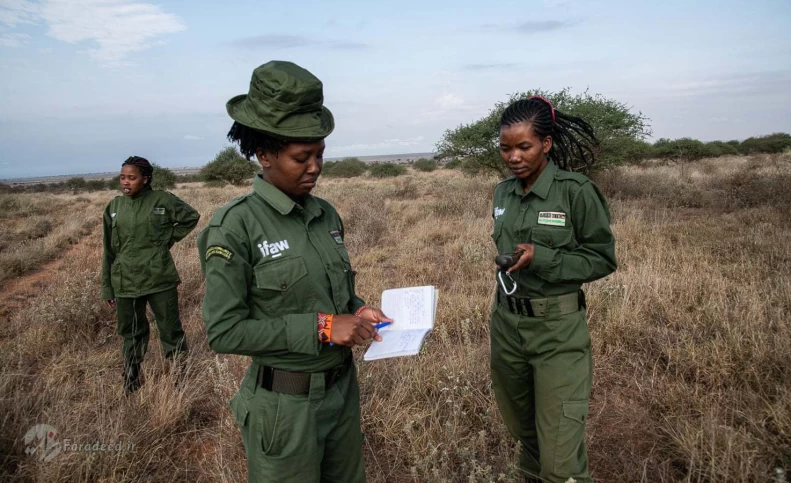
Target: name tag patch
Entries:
(159, 211)
(552, 218)
(336, 235)
(218, 251)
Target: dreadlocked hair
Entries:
(252, 140)
(142, 164)
(574, 143)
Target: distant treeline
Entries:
(229, 167)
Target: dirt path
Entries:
(16, 293)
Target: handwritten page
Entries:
(413, 310)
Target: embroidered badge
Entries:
(112, 215)
(336, 234)
(218, 251)
(498, 212)
(552, 218)
(159, 211)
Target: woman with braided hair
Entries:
(556, 225)
(138, 230)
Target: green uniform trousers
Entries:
(133, 324)
(302, 438)
(541, 375)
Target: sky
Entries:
(87, 83)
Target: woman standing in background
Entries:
(557, 225)
(137, 269)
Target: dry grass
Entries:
(691, 340)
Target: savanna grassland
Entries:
(692, 335)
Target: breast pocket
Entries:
(552, 237)
(283, 286)
(161, 229)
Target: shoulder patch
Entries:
(218, 251)
(219, 215)
(578, 177)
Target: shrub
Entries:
(114, 183)
(387, 170)
(773, 143)
(453, 164)
(687, 149)
(424, 164)
(345, 168)
(230, 167)
(163, 178)
(76, 184)
(95, 185)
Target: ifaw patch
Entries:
(218, 251)
(159, 211)
(336, 234)
(552, 218)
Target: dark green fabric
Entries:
(138, 232)
(301, 438)
(271, 265)
(285, 100)
(565, 256)
(541, 375)
(541, 366)
(133, 324)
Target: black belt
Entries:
(288, 382)
(537, 307)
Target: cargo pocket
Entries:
(283, 286)
(569, 453)
(269, 423)
(349, 275)
(552, 237)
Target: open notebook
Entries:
(412, 310)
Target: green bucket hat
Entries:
(285, 101)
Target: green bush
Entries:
(719, 148)
(230, 167)
(771, 144)
(387, 170)
(95, 185)
(345, 168)
(163, 178)
(114, 183)
(424, 164)
(454, 163)
(686, 149)
(76, 184)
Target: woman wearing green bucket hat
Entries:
(280, 289)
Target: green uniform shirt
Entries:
(271, 265)
(138, 232)
(566, 218)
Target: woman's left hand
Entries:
(525, 259)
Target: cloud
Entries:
(15, 12)
(448, 101)
(482, 67)
(749, 83)
(531, 26)
(13, 39)
(190, 137)
(117, 28)
(277, 41)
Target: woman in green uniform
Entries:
(138, 230)
(557, 225)
(280, 289)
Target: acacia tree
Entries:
(228, 167)
(618, 129)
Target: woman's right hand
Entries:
(110, 303)
(350, 330)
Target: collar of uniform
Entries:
(280, 201)
(541, 187)
(146, 189)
